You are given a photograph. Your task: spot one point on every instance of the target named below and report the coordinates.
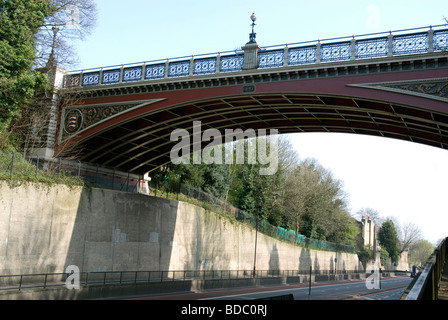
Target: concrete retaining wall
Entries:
(46, 229)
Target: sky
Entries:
(404, 180)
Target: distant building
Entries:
(369, 234)
(368, 239)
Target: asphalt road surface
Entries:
(391, 289)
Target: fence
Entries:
(17, 165)
(426, 285)
(48, 280)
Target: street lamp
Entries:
(52, 59)
(256, 237)
(253, 17)
(276, 195)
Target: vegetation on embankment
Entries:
(16, 170)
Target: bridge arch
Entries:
(136, 136)
(394, 86)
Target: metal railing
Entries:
(51, 280)
(426, 286)
(16, 165)
(368, 46)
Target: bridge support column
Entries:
(285, 64)
(44, 123)
(251, 50)
(218, 63)
(353, 49)
(390, 45)
(318, 51)
(431, 40)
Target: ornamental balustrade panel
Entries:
(410, 43)
(91, 79)
(155, 71)
(111, 76)
(271, 59)
(204, 66)
(231, 63)
(372, 48)
(72, 80)
(302, 55)
(179, 69)
(335, 51)
(381, 46)
(132, 74)
(441, 40)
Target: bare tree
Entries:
(288, 158)
(408, 235)
(73, 20)
(372, 213)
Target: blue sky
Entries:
(399, 179)
(141, 30)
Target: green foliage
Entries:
(364, 255)
(20, 20)
(212, 178)
(420, 252)
(384, 256)
(301, 196)
(23, 171)
(216, 180)
(389, 240)
(315, 205)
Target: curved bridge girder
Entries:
(129, 128)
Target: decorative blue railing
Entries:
(388, 44)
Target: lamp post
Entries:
(256, 238)
(251, 48)
(253, 17)
(276, 195)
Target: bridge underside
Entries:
(142, 143)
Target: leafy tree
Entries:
(301, 195)
(364, 256)
(35, 34)
(246, 199)
(315, 202)
(216, 180)
(249, 190)
(388, 239)
(212, 178)
(20, 20)
(384, 256)
(420, 251)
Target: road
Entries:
(391, 289)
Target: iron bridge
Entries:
(390, 85)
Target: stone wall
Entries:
(45, 229)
